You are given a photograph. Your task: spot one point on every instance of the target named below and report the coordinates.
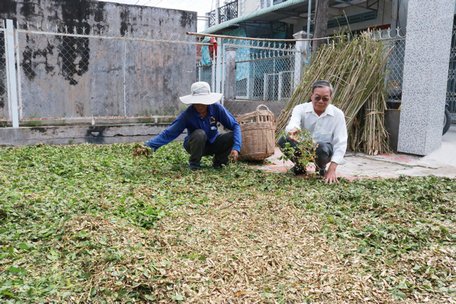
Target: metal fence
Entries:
(71, 75)
(264, 70)
(225, 13)
(206, 72)
(395, 48)
(395, 66)
(394, 45)
(451, 87)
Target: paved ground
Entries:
(441, 162)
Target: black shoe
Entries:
(298, 170)
(194, 166)
(217, 166)
(322, 172)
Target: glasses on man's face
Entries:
(324, 99)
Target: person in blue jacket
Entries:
(200, 119)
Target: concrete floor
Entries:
(441, 162)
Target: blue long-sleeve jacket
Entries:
(191, 120)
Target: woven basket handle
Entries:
(262, 105)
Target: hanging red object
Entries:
(213, 47)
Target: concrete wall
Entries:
(67, 77)
(112, 18)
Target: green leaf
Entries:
(7, 293)
(149, 297)
(23, 246)
(399, 294)
(402, 285)
(16, 270)
(178, 297)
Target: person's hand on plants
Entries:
(293, 134)
(142, 150)
(234, 155)
(330, 176)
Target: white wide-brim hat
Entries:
(201, 94)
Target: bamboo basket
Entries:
(258, 134)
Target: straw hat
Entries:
(201, 94)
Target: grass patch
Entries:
(95, 223)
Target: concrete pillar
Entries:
(302, 56)
(230, 74)
(427, 52)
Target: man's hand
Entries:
(330, 176)
(292, 134)
(234, 155)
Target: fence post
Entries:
(124, 72)
(213, 71)
(265, 86)
(230, 73)
(11, 74)
(280, 89)
(301, 56)
(218, 67)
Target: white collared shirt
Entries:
(329, 127)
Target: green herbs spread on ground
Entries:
(97, 224)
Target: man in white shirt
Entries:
(326, 124)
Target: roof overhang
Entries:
(288, 11)
(269, 14)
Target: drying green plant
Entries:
(302, 152)
(356, 68)
(141, 150)
(94, 224)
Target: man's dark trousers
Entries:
(198, 146)
(323, 153)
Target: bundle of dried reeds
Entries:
(356, 68)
